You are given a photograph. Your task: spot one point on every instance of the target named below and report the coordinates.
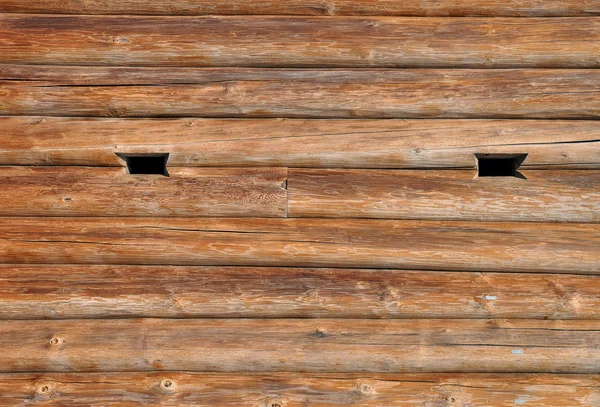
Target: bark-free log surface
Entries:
(82, 291)
(300, 41)
(544, 196)
(88, 191)
(526, 247)
(93, 280)
(326, 345)
(239, 92)
(492, 8)
(176, 389)
(298, 142)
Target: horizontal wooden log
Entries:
(176, 389)
(298, 142)
(239, 92)
(87, 291)
(491, 8)
(544, 196)
(300, 41)
(88, 191)
(325, 345)
(374, 243)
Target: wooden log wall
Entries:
(287, 203)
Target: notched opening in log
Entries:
(152, 163)
(500, 165)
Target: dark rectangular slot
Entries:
(499, 165)
(146, 163)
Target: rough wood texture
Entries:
(300, 41)
(176, 389)
(545, 196)
(430, 245)
(196, 289)
(326, 345)
(82, 291)
(238, 92)
(492, 8)
(298, 142)
(88, 191)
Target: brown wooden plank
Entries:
(298, 142)
(89, 191)
(287, 41)
(238, 92)
(544, 196)
(176, 389)
(88, 291)
(491, 8)
(325, 345)
(373, 243)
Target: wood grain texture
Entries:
(374, 243)
(93, 191)
(386, 286)
(300, 41)
(299, 143)
(492, 8)
(89, 291)
(326, 345)
(544, 196)
(176, 389)
(239, 92)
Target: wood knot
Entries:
(54, 341)
(114, 111)
(365, 389)
(196, 158)
(326, 9)
(274, 403)
(44, 391)
(37, 121)
(118, 40)
(311, 295)
(167, 385)
(320, 333)
(389, 293)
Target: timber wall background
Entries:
(323, 238)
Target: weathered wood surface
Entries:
(299, 143)
(518, 296)
(545, 196)
(325, 345)
(373, 243)
(95, 191)
(89, 291)
(492, 8)
(176, 389)
(239, 92)
(567, 196)
(300, 41)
